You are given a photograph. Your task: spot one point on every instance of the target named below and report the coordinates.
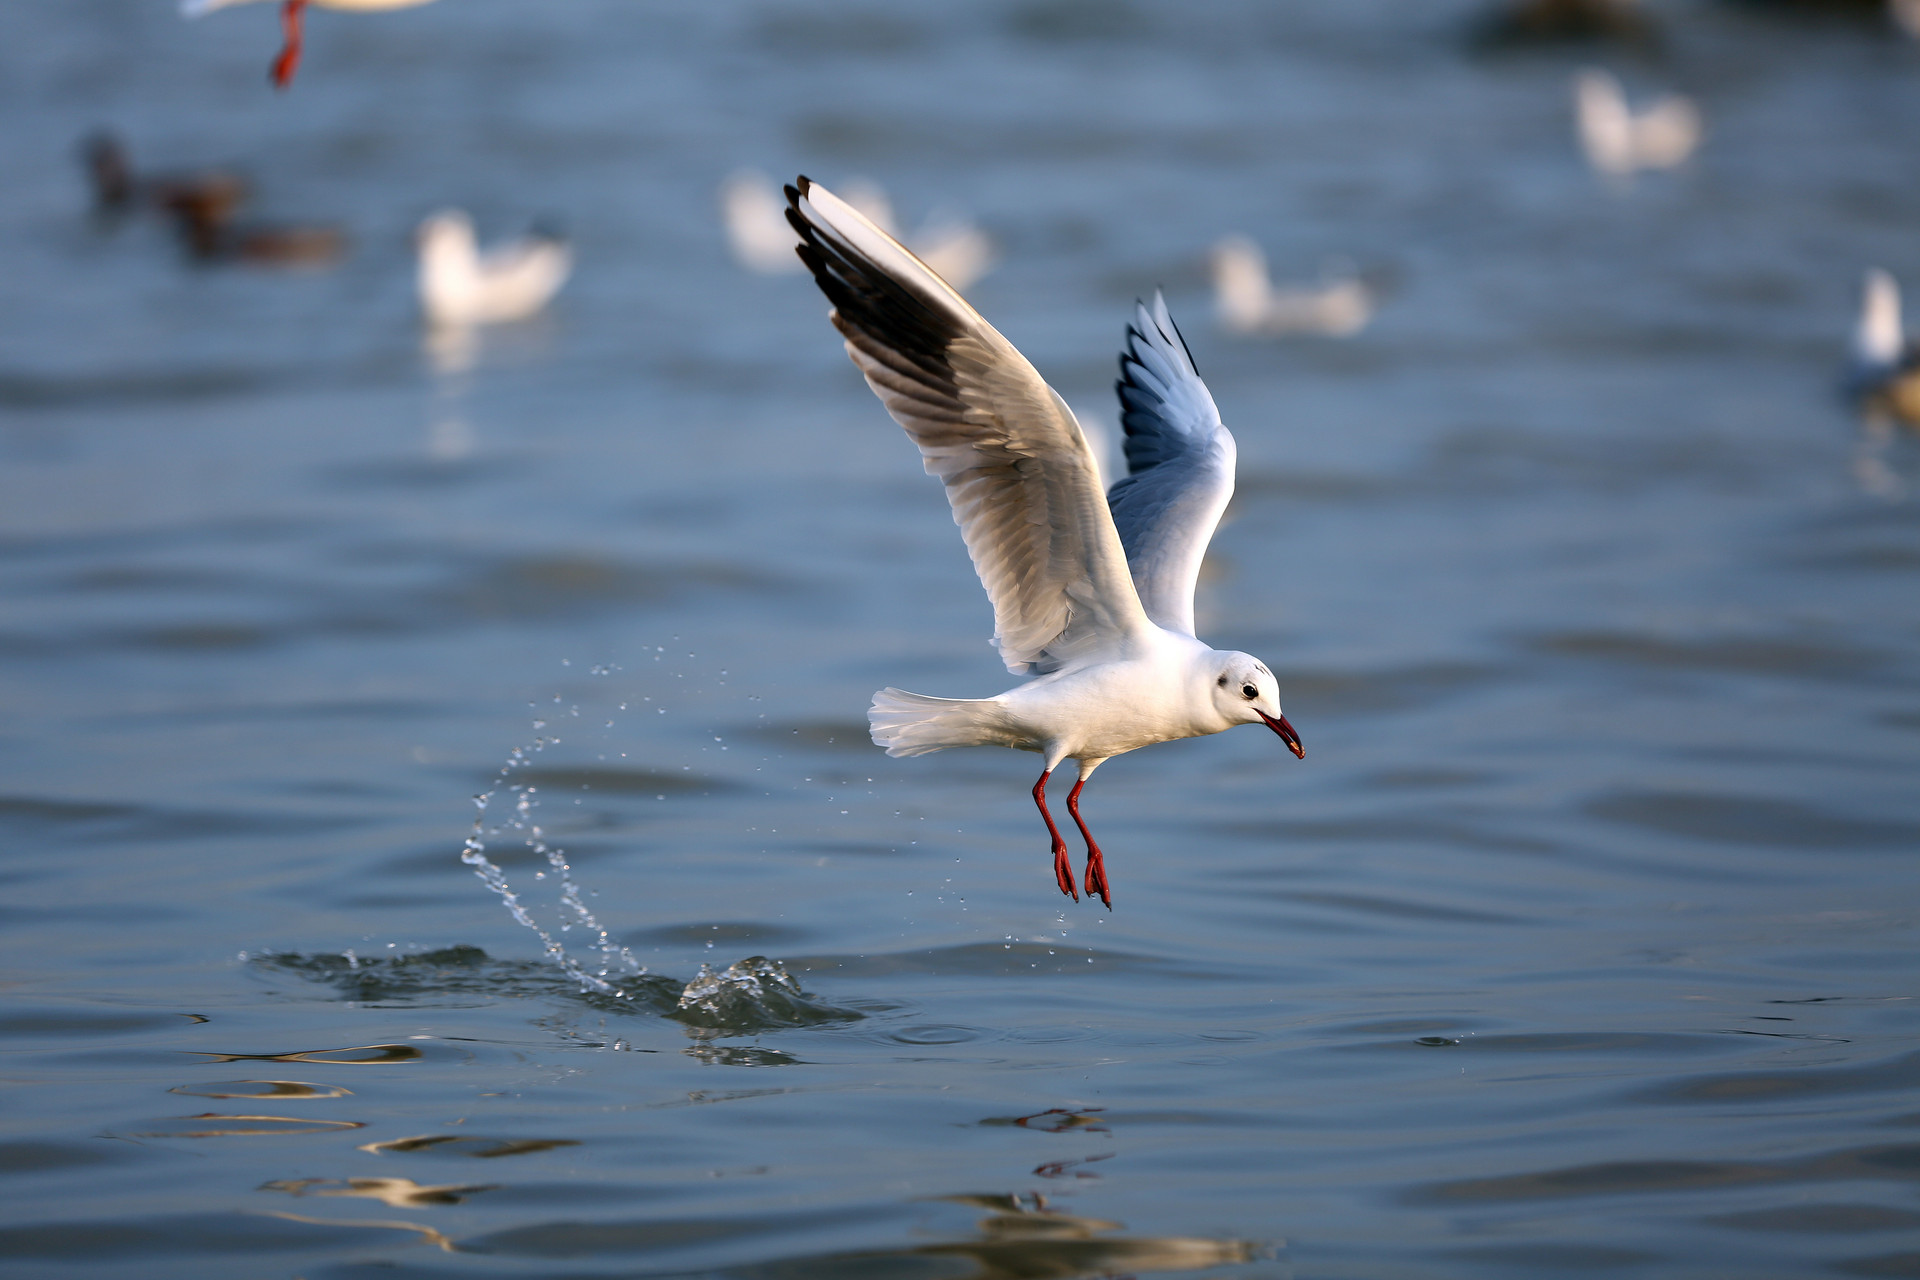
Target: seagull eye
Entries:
(1250, 691)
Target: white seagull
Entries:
(291, 12)
(1092, 594)
(460, 285)
(1619, 140)
(1886, 367)
(1883, 378)
(757, 230)
(1247, 303)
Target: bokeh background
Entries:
(1582, 941)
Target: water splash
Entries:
(615, 963)
(755, 992)
(753, 996)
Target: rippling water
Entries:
(1583, 939)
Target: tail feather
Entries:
(912, 724)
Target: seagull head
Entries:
(1244, 692)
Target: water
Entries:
(1582, 941)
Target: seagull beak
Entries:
(1280, 726)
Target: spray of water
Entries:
(614, 962)
(755, 993)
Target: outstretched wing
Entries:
(1180, 463)
(1021, 479)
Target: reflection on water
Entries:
(276, 1089)
(427, 1234)
(1071, 1168)
(210, 1124)
(400, 1193)
(467, 1145)
(1028, 1239)
(365, 1055)
(1057, 1120)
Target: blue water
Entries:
(1582, 941)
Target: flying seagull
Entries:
(1092, 594)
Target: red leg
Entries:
(289, 59)
(1096, 865)
(1061, 871)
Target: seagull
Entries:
(1619, 140)
(291, 12)
(462, 286)
(1885, 376)
(1247, 303)
(762, 242)
(1092, 594)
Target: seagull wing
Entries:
(1180, 463)
(1018, 472)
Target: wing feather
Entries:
(1022, 483)
(1180, 461)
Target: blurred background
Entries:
(1582, 939)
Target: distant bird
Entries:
(204, 209)
(109, 172)
(1246, 301)
(461, 285)
(291, 13)
(1519, 23)
(1092, 593)
(119, 188)
(203, 213)
(1885, 373)
(1620, 141)
(757, 230)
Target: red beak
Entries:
(1280, 726)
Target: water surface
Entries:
(1582, 941)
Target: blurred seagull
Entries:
(1618, 140)
(1247, 303)
(757, 230)
(461, 286)
(291, 13)
(1092, 594)
(1884, 380)
(1885, 376)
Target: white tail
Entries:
(912, 724)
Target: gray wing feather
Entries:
(1018, 473)
(1180, 461)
